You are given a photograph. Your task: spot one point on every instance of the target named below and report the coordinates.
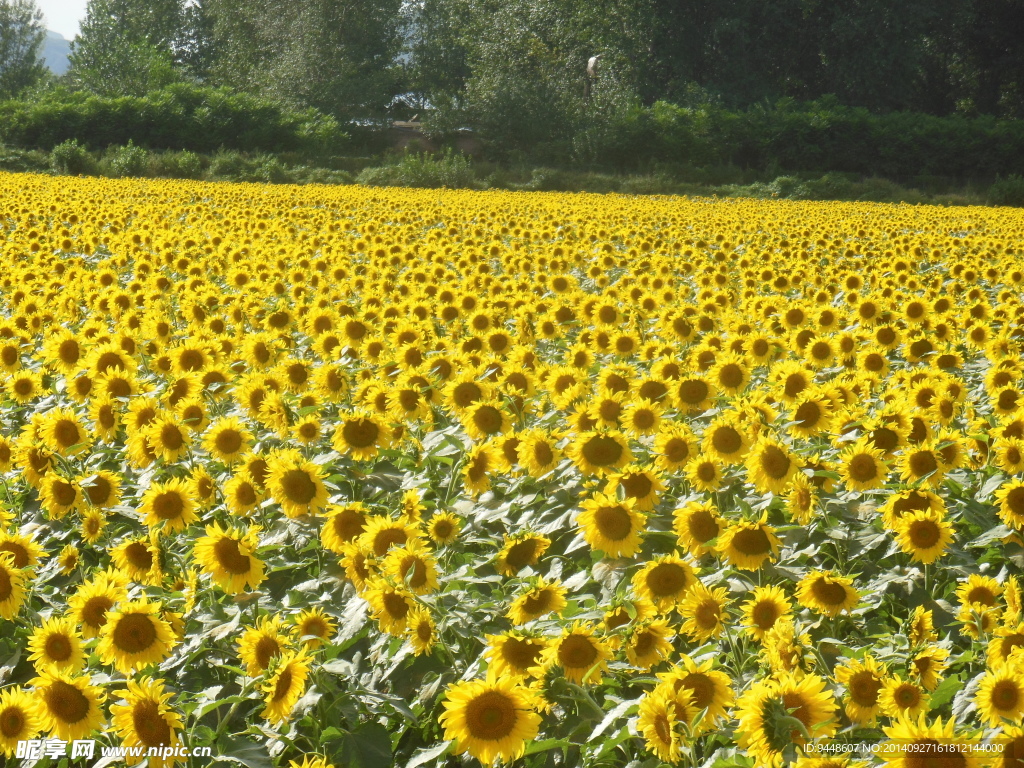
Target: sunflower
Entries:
(861, 466)
(763, 609)
(693, 394)
(771, 466)
(24, 552)
(539, 600)
(168, 437)
(515, 655)
(665, 581)
(911, 500)
(381, 533)
(710, 689)
(135, 636)
(169, 504)
(600, 453)
(285, 683)
(863, 680)
(490, 719)
(649, 642)
(977, 590)
(704, 473)
(762, 731)
(922, 463)
(519, 551)
(92, 601)
(481, 462)
(413, 565)
(726, 439)
(917, 743)
(314, 627)
(146, 720)
(698, 523)
(296, 483)
(825, 593)
(638, 484)
(139, 560)
(390, 605)
(924, 535)
(582, 657)
(611, 525)
(624, 612)
(537, 452)
(928, 664)
(227, 439)
(259, 645)
(63, 433)
(674, 446)
(482, 420)
(1011, 503)
(69, 707)
(344, 524)
(802, 500)
(59, 496)
(19, 719)
(56, 645)
(747, 545)
(421, 631)
(443, 528)
(102, 489)
(1005, 640)
(1009, 455)
(228, 555)
(361, 435)
(641, 417)
(69, 559)
(901, 698)
(1000, 694)
(662, 713)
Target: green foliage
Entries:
(180, 116)
(126, 47)
(22, 161)
(1008, 191)
(21, 41)
(451, 169)
(178, 165)
(71, 158)
(129, 160)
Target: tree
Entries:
(21, 40)
(339, 56)
(127, 47)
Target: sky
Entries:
(63, 15)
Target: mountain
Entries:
(55, 52)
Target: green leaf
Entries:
(242, 751)
(428, 755)
(368, 747)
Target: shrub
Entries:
(70, 158)
(451, 169)
(128, 160)
(178, 165)
(1008, 191)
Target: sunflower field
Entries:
(376, 477)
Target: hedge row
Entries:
(181, 117)
(818, 137)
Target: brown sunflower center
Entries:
(922, 463)
(228, 441)
(520, 654)
(395, 605)
(602, 451)
(928, 753)
(577, 652)
(702, 525)
(360, 433)
(613, 522)
(266, 649)
(12, 722)
(862, 468)
(65, 702)
(298, 486)
(521, 554)
(284, 683)
(701, 687)
(139, 556)
(726, 440)
(828, 592)
(1005, 695)
(169, 505)
(229, 556)
(491, 716)
(667, 579)
(487, 419)
(924, 534)
(775, 463)
(134, 633)
(752, 542)
(58, 647)
(765, 613)
(539, 602)
(150, 726)
(677, 450)
(864, 688)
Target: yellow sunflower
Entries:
(134, 636)
(747, 545)
(582, 656)
(864, 680)
(924, 535)
(763, 609)
(361, 435)
(1000, 694)
(825, 593)
(69, 707)
(20, 720)
(611, 525)
(228, 555)
(296, 483)
(170, 504)
(702, 611)
(539, 600)
(145, 719)
(901, 698)
(600, 453)
(12, 587)
(259, 645)
(285, 683)
(665, 581)
(56, 644)
(490, 719)
(519, 551)
(515, 655)
(698, 523)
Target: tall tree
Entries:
(127, 47)
(21, 40)
(337, 55)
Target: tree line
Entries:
(517, 70)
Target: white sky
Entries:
(63, 15)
